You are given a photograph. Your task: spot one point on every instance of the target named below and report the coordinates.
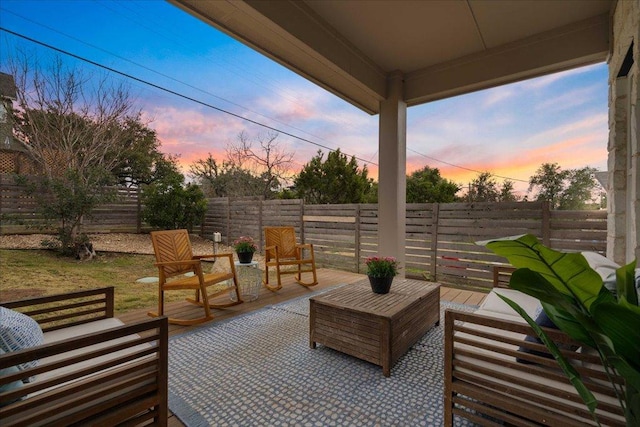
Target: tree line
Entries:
(84, 134)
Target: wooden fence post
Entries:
(228, 232)
(357, 238)
(546, 223)
(138, 211)
(261, 222)
(302, 240)
(434, 241)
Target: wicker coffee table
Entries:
(373, 327)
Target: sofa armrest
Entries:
(120, 375)
(63, 310)
(502, 275)
(485, 378)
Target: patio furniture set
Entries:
(89, 368)
(179, 269)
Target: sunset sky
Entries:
(508, 131)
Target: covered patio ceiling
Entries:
(441, 48)
(386, 55)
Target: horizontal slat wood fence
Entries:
(440, 238)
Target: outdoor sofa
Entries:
(495, 374)
(91, 369)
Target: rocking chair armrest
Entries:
(220, 255)
(268, 250)
(304, 245)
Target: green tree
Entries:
(579, 190)
(507, 192)
(563, 189)
(484, 188)
(427, 186)
(170, 204)
(334, 180)
(138, 153)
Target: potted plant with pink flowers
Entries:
(245, 247)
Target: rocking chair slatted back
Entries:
(173, 245)
(284, 238)
(283, 252)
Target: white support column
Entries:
(392, 177)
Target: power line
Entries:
(175, 93)
(462, 167)
(172, 92)
(162, 74)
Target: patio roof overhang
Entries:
(383, 56)
(442, 48)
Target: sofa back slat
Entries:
(486, 381)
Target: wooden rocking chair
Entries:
(175, 258)
(281, 250)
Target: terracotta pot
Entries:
(245, 257)
(380, 285)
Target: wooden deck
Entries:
(327, 278)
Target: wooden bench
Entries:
(110, 374)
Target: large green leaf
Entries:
(561, 308)
(569, 273)
(621, 324)
(625, 283)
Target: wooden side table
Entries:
(378, 328)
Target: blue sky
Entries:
(508, 131)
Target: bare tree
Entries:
(73, 125)
(69, 119)
(269, 161)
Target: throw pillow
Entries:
(9, 386)
(541, 320)
(19, 331)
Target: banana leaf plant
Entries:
(574, 297)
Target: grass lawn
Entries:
(31, 273)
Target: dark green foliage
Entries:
(65, 200)
(137, 153)
(335, 180)
(569, 189)
(427, 186)
(169, 204)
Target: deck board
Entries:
(327, 278)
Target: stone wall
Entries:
(623, 240)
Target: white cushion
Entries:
(76, 331)
(17, 332)
(602, 265)
(493, 303)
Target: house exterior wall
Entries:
(623, 239)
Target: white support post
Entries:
(392, 171)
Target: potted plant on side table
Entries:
(381, 271)
(245, 247)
